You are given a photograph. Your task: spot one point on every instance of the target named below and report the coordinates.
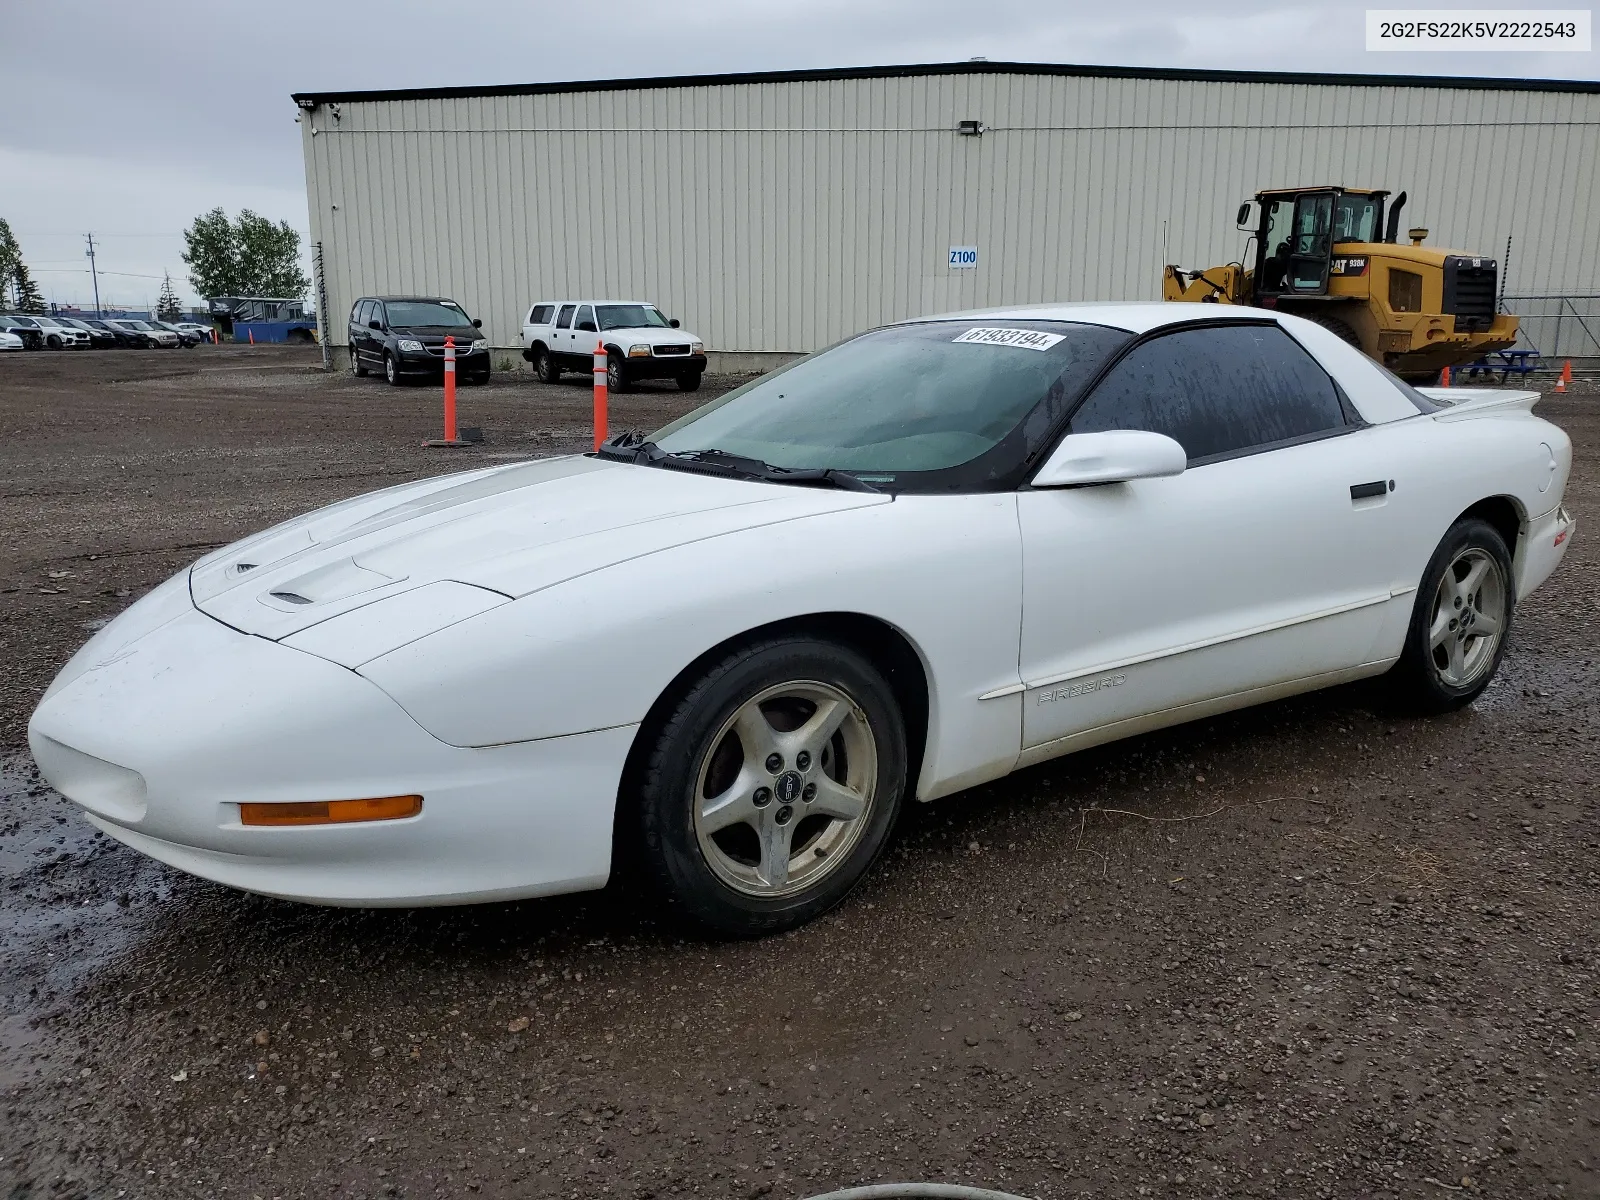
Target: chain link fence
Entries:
(1558, 328)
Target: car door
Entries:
(358, 331)
(1271, 561)
(561, 338)
(585, 333)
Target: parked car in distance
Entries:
(561, 335)
(186, 338)
(403, 337)
(202, 332)
(23, 327)
(58, 335)
(10, 341)
(125, 339)
(100, 337)
(145, 334)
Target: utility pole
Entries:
(93, 274)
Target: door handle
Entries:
(1365, 491)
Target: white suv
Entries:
(55, 335)
(561, 335)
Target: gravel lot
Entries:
(1312, 949)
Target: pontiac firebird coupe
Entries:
(915, 561)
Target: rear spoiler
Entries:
(1477, 402)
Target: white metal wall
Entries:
(780, 216)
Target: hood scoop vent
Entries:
(336, 581)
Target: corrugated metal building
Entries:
(774, 213)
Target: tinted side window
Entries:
(585, 319)
(541, 314)
(564, 321)
(378, 313)
(1217, 391)
(356, 310)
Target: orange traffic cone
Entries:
(1566, 376)
(1444, 377)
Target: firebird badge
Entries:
(1068, 690)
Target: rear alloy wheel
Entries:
(391, 370)
(356, 368)
(544, 366)
(772, 786)
(1460, 620)
(689, 381)
(617, 374)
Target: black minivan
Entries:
(403, 336)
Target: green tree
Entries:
(28, 299)
(249, 256)
(10, 256)
(167, 307)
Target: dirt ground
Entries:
(1314, 949)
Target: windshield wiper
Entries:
(634, 448)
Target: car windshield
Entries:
(410, 313)
(631, 316)
(134, 325)
(982, 395)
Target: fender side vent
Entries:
(290, 597)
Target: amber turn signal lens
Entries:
(331, 812)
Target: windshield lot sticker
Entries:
(1023, 339)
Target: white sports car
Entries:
(915, 561)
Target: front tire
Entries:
(771, 786)
(54, 342)
(689, 381)
(391, 370)
(1460, 621)
(617, 374)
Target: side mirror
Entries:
(477, 323)
(374, 324)
(674, 323)
(1242, 217)
(1115, 456)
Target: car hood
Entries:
(434, 335)
(513, 530)
(653, 336)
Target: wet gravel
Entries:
(1314, 949)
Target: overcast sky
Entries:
(131, 119)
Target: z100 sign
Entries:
(963, 258)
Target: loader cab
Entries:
(1296, 232)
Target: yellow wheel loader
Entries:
(1327, 254)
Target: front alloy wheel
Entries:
(771, 785)
(782, 793)
(616, 374)
(391, 370)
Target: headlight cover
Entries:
(410, 345)
(638, 351)
(697, 347)
(480, 344)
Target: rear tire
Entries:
(1460, 621)
(689, 381)
(1340, 329)
(755, 838)
(544, 366)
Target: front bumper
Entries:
(664, 368)
(162, 738)
(468, 362)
